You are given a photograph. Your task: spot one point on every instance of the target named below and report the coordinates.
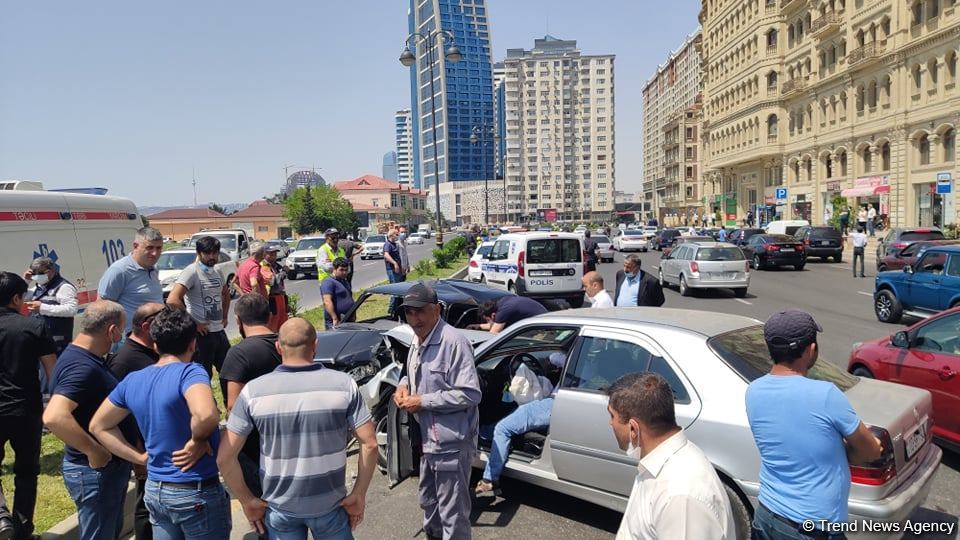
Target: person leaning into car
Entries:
(636, 287)
(442, 390)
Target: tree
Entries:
(217, 208)
(316, 209)
(300, 210)
(144, 220)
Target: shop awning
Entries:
(865, 191)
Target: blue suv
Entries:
(930, 285)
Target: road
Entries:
(838, 301)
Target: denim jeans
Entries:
(767, 527)
(528, 417)
(98, 494)
(394, 277)
(188, 513)
(333, 525)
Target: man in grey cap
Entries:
(807, 432)
(442, 390)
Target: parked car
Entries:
(708, 361)
(630, 240)
(925, 355)
(538, 265)
(706, 265)
(931, 285)
(284, 248)
(788, 227)
(823, 242)
(303, 259)
(604, 248)
(683, 240)
(775, 250)
(664, 238)
(475, 266)
(173, 261)
(898, 238)
(373, 247)
(910, 254)
(233, 242)
(740, 237)
(416, 238)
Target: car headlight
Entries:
(856, 345)
(363, 372)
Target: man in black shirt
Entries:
(136, 353)
(24, 344)
(500, 314)
(590, 247)
(256, 355)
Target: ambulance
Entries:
(83, 234)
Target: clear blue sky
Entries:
(132, 95)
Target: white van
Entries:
(83, 234)
(787, 226)
(537, 265)
(233, 242)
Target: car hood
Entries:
(303, 253)
(348, 347)
(373, 244)
(165, 275)
(449, 291)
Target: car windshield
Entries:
(601, 239)
(377, 238)
(780, 238)
(698, 239)
(485, 250)
(913, 236)
(745, 351)
(633, 233)
(312, 243)
(719, 254)
(175, 261)
(227, 241)
(553, 250)
(824, 232)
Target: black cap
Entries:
(331, 230)
(790, 329)
(419, 295)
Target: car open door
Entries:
(403, 445)
(933, 363)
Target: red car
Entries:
(909, 255)
(925, 355)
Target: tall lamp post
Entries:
(433, 41)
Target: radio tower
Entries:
(194, 187)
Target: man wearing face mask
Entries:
(53, 299)
(792, 418)
(203, 290)
(677, 493)
(636, 287)
(402, 246)
(95, 480)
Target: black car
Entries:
(898, 238)
(665, 238)
(359, 349)
(823, 242)
(740, 237)
(767, 250)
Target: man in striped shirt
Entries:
(305, 415)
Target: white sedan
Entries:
(631, 240)
(173, 261)
(415, 238)
(475, 268)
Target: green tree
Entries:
(217, 208)
(301, 211)
(316, 209)
(144, 221)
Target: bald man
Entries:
(593, 286)
(313, 495)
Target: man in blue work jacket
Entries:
(444, 397)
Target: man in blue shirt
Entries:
(807, 433)
(337, 294)
(636, 287)
(133, 280)
(95, 480)
(178, 418)
(722, 235)
(501, 314)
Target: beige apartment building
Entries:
(560, 160)
(671, 137)
(811, 101)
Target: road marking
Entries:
(742, 301)
(367, 264)
(870, 294)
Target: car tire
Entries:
(684, 289)
(757, 264)
(799, 267)
(483, 279)
(887, 307)
(511, 288)
(576, 302)
(882, 268)
(740, 293)
(838, 258)
(742, 518)
(863, 371)
(824, 259)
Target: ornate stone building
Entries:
(806, 101)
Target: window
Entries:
(601, 361)
(867, 160)
(500, 250)
(885, 157)
(548, 251)
(932, 263)
(939, 336)
(535, 339)
(953, 269)
(950, 145)
(923, 146)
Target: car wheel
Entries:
(483, 279)
(740, 293)
(511, 288)
(824, 259)
(882, 268)
(838, 258)
(757, 265)
(863, 371)
(887, 308)
(799, 267)
(684, 290)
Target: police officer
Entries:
(441, 388)
(53, 300)
(329, 252)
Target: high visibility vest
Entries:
(331, 256)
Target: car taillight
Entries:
(694, 267)
(806, 242)
(520, 265)
(900, 245)
(771, 247)
(800, 247)
(473, 264)
(880, 471)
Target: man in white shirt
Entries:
(859, 240)
(871, 219)
(593, 286)
(676, 494)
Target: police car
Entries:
(538, 265)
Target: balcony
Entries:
(795, 85)
(861, 56)
(787, 4)
(826, 25)
(670, 144)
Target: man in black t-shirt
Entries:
(500, 314)
(256, 355)
(24, 344)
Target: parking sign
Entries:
(781, 193)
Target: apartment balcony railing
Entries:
(795, 85)
(868, 53)
(785, 4)
(826, 25)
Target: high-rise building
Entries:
(810, 104)
(671, 172)
(463, 91)
(404, 136)
(301, 179)
(559, 136)
(390, 165)
(500, 119)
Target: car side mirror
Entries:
(901, 339)
(908, 269)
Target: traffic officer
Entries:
(442, 390)
(327, 253)
(53, 300)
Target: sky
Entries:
(135, 96)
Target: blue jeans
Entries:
(394, 277)
(98, 494)
(333, 525)
(531, 416)
(188, 514)
(767, 527)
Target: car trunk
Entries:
(722, 270)
(905, 414)
(825, 239)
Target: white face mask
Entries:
(633, 451)
(41, 279)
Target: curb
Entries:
(69, 528)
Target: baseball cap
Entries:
(331, 230)
(419, 295)
(790, 329)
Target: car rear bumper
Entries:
(784, 261)
(522, 290)
(701, 283)
(824, 251)
(633, 246)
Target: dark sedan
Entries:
(740, 237)
(665, 238)
(898, 238)
(910, 254)
(823, 242)
(767, 250)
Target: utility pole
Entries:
(194, 186)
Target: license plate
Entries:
(304, 265)
(824, 242)
(541, 272)
(915, 441)
(787, 250)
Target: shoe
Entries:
(6, 529)
(485, 487)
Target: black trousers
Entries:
(23, 433)
(857, 254)
(211, 350)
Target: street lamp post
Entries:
(452, 54)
